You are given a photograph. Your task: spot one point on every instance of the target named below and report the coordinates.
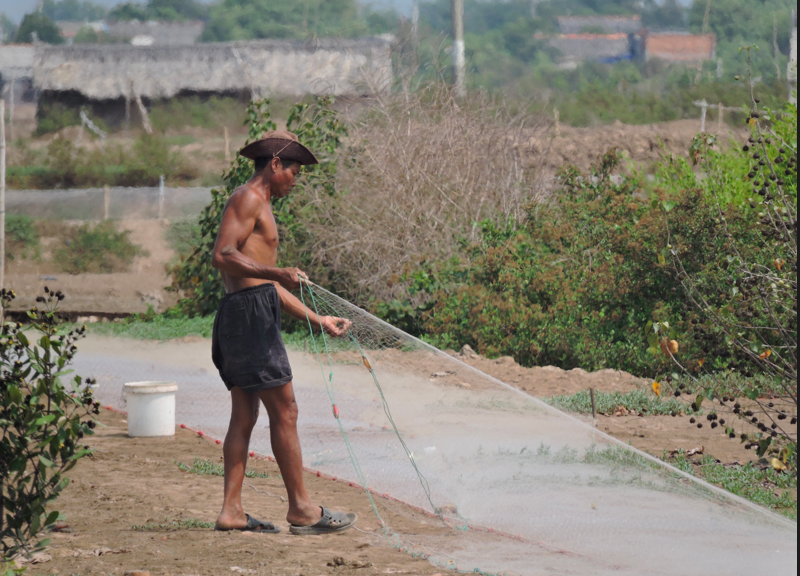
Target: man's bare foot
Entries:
(309, 515)
(231, 521)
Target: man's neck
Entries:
(260, 182)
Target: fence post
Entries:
(720, 118)
(558, 123)
(594, 408)
(11, 108)
(227, 144)
(161, 197)
(106, 202)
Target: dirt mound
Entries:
(643, 144)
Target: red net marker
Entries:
(218, 441)
(252, 453)
(183, 425)
(319, 474)
(335, 411)
(200, 433)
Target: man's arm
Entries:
(292, 306)
(238, 222)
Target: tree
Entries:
(72, 10)
(252, 19)
(163, 10)
(6, 28)
(44, 28)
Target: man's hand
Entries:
(335, 326)
(290, 278)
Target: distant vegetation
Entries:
(66, 165)
(96, 249)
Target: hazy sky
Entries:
(16, 9)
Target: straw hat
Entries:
(283, 145)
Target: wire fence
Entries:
(104, 203)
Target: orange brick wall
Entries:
(681, 47)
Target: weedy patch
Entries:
(170, 525)
(637, 401)
(758, 482)
(206, 467)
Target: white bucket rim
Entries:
(150, 387)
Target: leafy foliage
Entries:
(72, 10)
(749, 299)
(253, 19)
(577, 285)
(67, 165)
(42, 422)
(163, 10)
(97, 249)
(319, 128)
(22, 238)
(38, 23)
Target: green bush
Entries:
(53, 116)
(184, 235)
(22, 238)
(42, 422)
(69, 166)
(98, 249)
(579, 284)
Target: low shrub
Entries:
(23, 240)
(183, 234)
(67, 165)
(97, 249)
(579, 283)
(44, 418)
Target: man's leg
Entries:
(244, 414)
(282, 409)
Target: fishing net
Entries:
(512, 485)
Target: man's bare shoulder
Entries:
(246, 199)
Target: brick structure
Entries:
(597, 47)
(681, 47)
(608, 24)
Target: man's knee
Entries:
(284, 412)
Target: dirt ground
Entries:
(141, 286)
(135, 481)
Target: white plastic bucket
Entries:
(151, 408)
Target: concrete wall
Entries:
(334, 67)
(677, 47)
(16, 60)
(609, 24)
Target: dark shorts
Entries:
(246, 344)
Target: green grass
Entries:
(185, 524)
(160, 327)
(152, 326)
(640, 401)
(753, 481)
(179, 140)
(206, 467)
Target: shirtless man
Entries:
(247, 347)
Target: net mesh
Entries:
(518, 487)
